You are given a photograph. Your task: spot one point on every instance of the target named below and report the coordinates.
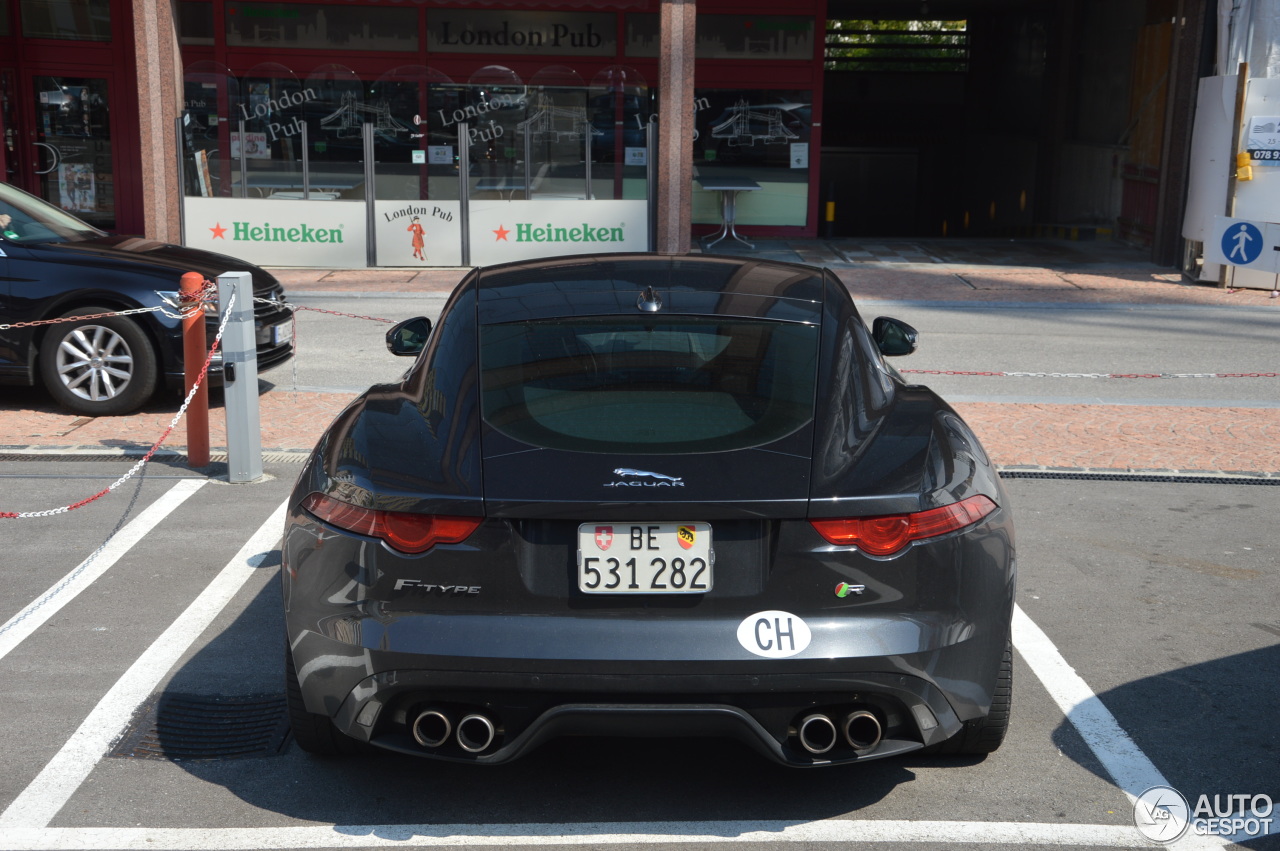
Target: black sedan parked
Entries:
(52, 265)
(641, 495)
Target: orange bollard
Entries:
(195, 349)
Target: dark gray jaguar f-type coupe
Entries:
(640, 495)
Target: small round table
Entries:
(728, 187)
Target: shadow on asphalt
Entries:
(1209, 727)
(564, 781)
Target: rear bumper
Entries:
(529, 703)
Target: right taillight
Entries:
(886, 534)
(402, 530)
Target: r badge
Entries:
(686, 536)
(604, 537)
(844, 589)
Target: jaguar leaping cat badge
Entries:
(660, 479)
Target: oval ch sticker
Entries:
(774, 635)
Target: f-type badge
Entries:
(660, 480)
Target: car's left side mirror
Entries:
(409, 338)
(894, 337)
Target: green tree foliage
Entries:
(881, 45)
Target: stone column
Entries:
(155, 39)
(675, 126)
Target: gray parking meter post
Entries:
(240, 372)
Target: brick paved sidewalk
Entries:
(1111, 437)
(1120, 437)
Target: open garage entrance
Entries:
(987, 118)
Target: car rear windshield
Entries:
(648, 385)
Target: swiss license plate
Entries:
(282, 333)
(645, 558)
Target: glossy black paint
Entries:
(44, 280)
(497, 622)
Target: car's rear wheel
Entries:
(98, 367)
(313, 732)
(984, 735)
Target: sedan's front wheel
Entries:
(99, 367)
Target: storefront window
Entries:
(755, 37)
(761, 135)
(74, 138)
(195, 22)
(81, 20)
(413, 157)
(321, 27)
(271, 111)
(622, 105)
(4, 17)
(210, 93)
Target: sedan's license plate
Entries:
(282, 333)
(645, 558)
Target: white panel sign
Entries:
(1259, 199)
(637, 156)
(1243, 243)
(271, 232)
(1263, 139)
(440, 154)
(418, 233)
(503, 231)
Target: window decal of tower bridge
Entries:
(348, 118)
(561, 123)
(747, 125)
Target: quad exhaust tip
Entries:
(432, 728)
(476, 733)
(862, 730)
(817, 733)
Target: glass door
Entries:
(71, 155)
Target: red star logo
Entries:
(218, 231)
(502, 233)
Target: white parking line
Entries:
(54, 786)
(25, 822)
(590, 834)
(19, 627)
(1128, 766)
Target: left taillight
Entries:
(887, 534)
(402, 530)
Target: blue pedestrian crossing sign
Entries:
(1239, 242)
(1242, 243)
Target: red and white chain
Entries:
(133, 471)
(297, 307)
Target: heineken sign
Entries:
(523, 230)
(526, 232)
(270, 232)
(247, 232)
(411, 234)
